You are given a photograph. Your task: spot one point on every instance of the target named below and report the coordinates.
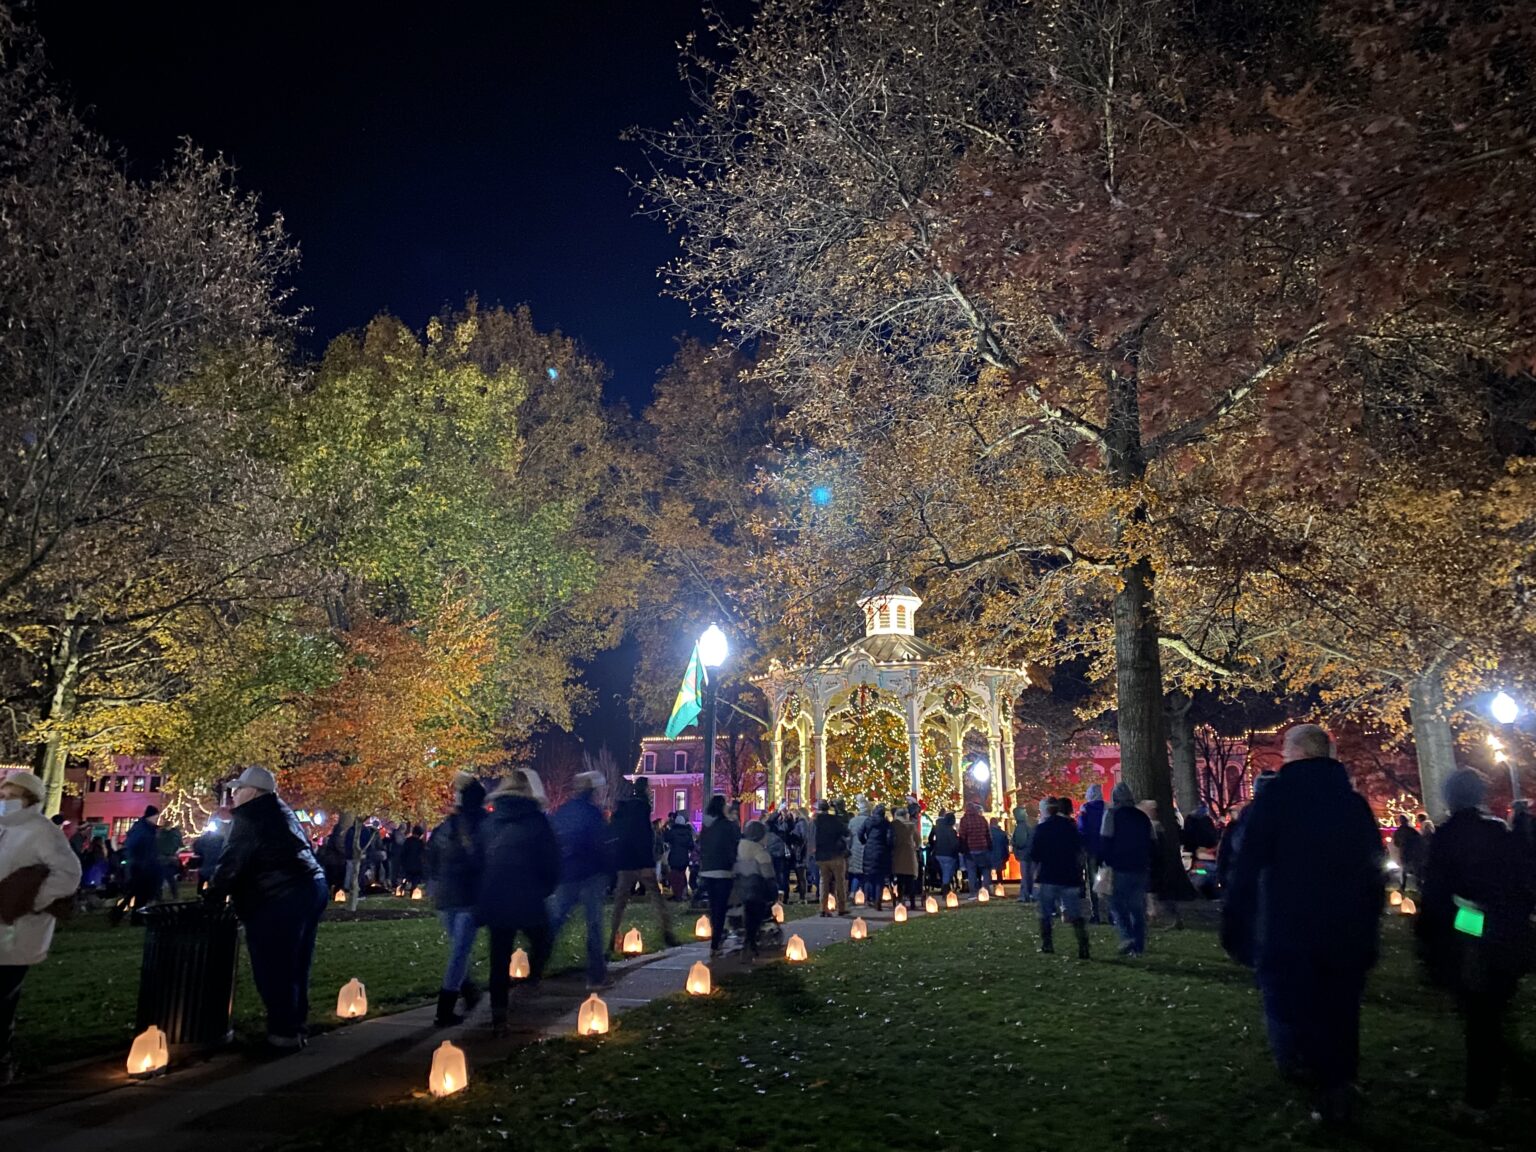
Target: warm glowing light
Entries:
(930, 905)
(997, 891)
(592, 1019)
(633, 945)
(518, 969)
(951, 900)
(340, 897)
(901, 914)
(778, 912)
(858, 898)
(982, 895)
(981, 772)
(1504, 709)
(885, 894)
(417, 893)
(1408, 907)
(701, 929)
(713, 647)
(794, 950)
(832, 904)
(149, 1053)
(352, 1000)
(698, 979)
(1395, 899)
(858, 930)
(448, 1075)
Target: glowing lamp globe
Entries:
(1395, 899)
(713, 647)
(1408, 907)
(858, 898)
(633, 945)
(980, 772)
(448, 1075)
(794, 950)
(340, 897)
(698, 979)
(149, 1054)
(701, 929)
(352, 1001)
(951, 900)
(858, 930)
(518, 969)
(417, 893)
(1504, 708)
(900, 915)
(930, 905)
(592, 1017)
(778, 912)
(982, 895)
(832, 904)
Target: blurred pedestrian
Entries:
(856, 848)
(831, 838)
(1125, 848)
(679, 837)
(1023, 830)
(1090, 823)
(411, 861)
(976, 843)
(876, 838)
(634, 855)
(944, 846)
(583, 837)
(1056, 849)
(453, 879)
(904, 856)
(718, 841)
(999, 854)
(142, 872)
(755, 881)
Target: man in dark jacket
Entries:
(453, 878)
(1304, 911)
(1090, 822)
(876, 836)
(634, 859)
(944, 845)
(718, 841)
(1408, 847)
(583, 836)
(1125, 848)
(270, 874)
(976, 843)
(831, 840)
(999, 858)
(519, 869)
(141, 861)
(1057, 850)
(1474, 928)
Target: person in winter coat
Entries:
(1408, 849)
(453, 879)
(141, 862)
(777, 847)
(999, 857)
(1199, 834)
(856, 848)
(1474, 929)
(830, 834)
(1125, 848)
(209, 846)
(904, 856)
(583, 837)
(270, 875)
(679, 837)
(1056, 850)
(412, 862)
(519, 869)
(876, 839)
(976, 843)
(944, 845)
(1090, 822)
(717, 866)
(1304, 911)
(39, 873)
(1167, 877)
(1023, 830)
(634, 852)
(755, 880)
(802, 850)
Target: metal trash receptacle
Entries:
(187, 978)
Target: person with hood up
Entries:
(634, 854)
(1474, 929)
(679, 837)
(1056, 849)
(519, 869)
(453, 879)
(944, 846)
(999, 858)
(976, 843)
(904, 856)
(802, 851)
(1023, 830)
(1090, 822)
(277, 887)
(876, 840)
(1304, 912)
(1125, 848)
(856, 848)
(776, 834)
(756, 881)
(718, 841)
(583, 837)
(39, 873)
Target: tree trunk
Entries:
(1181, 742)
(1434, 742)
(52, 755)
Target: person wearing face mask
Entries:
(270, 874)
(39, 873)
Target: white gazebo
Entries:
(890, 669)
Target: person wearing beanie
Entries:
(1304, 910)
(717, 866)
(1090, 823)
(755, 883)
(634, 852)
(856, 848)
(583, 836)
(39, 873)
(1056, 850)
(141, 864)
(453, 882)
(519, 870)
(1125, 848)
(269, 873)
(1474, 929)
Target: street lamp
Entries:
(1504, 708)
(713, 649)
(1505, 711)
(980, 772)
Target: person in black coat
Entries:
(876, 838)
(453, 879)
(269, 873)
(679, 841)
(718, 842)
(1474, 928)
(1056, 849)
(634, 851)
(519, 862)
(1304, 911)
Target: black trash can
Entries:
(187, 981)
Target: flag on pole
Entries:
(687, 707)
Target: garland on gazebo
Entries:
(869, 758)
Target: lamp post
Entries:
(713, 649)
(1505, 712)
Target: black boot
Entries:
(1081, 930)
(1046, 928)
(446, 1017)
(471, 993)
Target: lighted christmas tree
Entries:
(869, 758)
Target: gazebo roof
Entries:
(885, 648)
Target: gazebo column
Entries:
(774, 792)
(819, 750)
(805, 768)
(957, 759)
(999, 769)
(1009, 773)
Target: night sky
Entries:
(418, 153)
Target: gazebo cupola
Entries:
(892, 613)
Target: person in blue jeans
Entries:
(1125, 848)
(453, 878)
(583, 836)
(1056, 849)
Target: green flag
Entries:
(686, 710)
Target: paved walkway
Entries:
(233, 1104)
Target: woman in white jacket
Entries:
(756, 882)
(37, 867)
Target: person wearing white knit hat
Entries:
(38, 870)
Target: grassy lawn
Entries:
(953, 1033)
(80, 1002)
